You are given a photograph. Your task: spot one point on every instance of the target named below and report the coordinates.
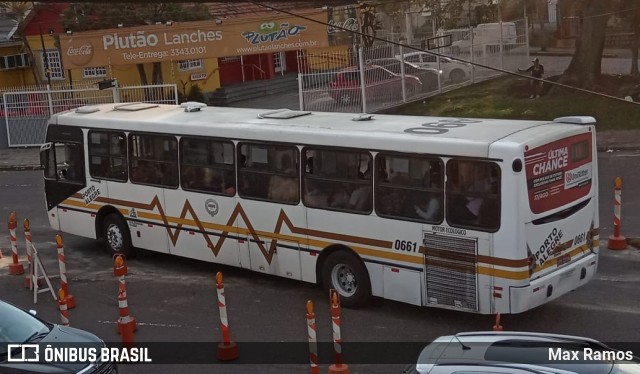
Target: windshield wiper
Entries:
(37, 336)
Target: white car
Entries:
(452, 70)
(521, 352)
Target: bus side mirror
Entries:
(44, 155)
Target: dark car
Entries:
(428, 76)
(20, 327)
(379, 83)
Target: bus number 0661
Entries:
(405, 245)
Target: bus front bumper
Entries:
(553, 285)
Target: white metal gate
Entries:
(370, 79)
(27, 111)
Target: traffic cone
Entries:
(497, 326)
(62, 304)
(71, 301)
(15, 268)
(617, 241)
(126, 323)
(338, 367)
(227, 350)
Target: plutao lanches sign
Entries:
(191, 40)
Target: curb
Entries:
(566, 54)
(633, 242)
(606, 148)
(19, 167)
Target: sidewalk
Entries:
(29, 158)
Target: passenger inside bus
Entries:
(361, 197)
(474, 205)
(284, 187)
(339, 198)
(211, 180)
(146, 173)
(393, 200)
(315, 196)
(229, 183)
(429, 210)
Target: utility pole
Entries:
(45, 58)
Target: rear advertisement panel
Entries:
(559, 172)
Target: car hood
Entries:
(58, 336)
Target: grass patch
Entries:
(507, 98)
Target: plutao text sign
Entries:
(191, 40)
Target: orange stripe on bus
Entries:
(278, 236)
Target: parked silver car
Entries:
(18, 326)
(520, 353)
(454, 71)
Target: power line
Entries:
(608, 14)
(449, 57)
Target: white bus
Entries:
(476, 215)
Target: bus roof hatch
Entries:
(133, 107)
(578, 120)
(283, 114)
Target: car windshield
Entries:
(17, 326)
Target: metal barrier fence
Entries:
(27, 110)
(387, 75)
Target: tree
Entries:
(630, 13)
(634, 43)
(445, 13)
(196, 94)
(16, 10)
(585, 66)
(97, 16)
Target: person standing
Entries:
(537, 71)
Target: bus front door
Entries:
(63, 162)
(271, 243)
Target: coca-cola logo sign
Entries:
(80, 53)
(349, 24)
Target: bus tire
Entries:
(346, 273)
(117, 239)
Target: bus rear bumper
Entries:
(553, 285)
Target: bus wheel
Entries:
(116, 235)
(345, 273)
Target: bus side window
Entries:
(414, 189)
(154, 160)
(473, 194)
(338, 180)
(270, 172)
(70, 165)
(207, 165)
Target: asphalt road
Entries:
(174, 299)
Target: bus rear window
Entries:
(559, 172)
